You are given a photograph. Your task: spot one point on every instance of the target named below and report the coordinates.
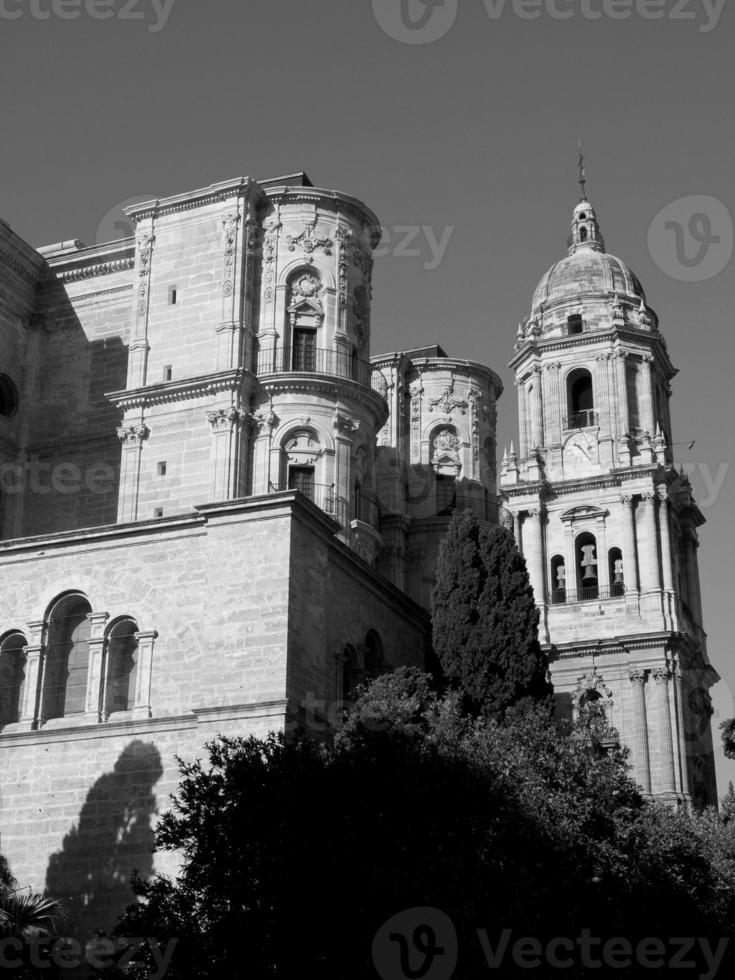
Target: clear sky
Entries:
(467, 137)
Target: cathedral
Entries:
(221, 511)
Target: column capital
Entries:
(662, 675)
(649, 495)
(133, 436)
(637, 677)
(628, 499)
(663, 494)
(554, 366)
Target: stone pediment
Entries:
(585, 512)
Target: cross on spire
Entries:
(582, 172)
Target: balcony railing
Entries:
(360, 508)
(582, 420)
(590, 593)
(317, 360)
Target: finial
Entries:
(582, 172)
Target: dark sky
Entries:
(468, 137)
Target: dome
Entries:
(588, 269)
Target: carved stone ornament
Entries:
(447, 402)
(305, 289)
(310, 240)
(229, 225)
(133, 436)
(345, 426)
(225, 419)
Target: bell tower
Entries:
(606, 522)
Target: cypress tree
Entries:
(485, 620)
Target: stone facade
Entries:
(219, 513)
(607, 524)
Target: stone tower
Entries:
(606, 523)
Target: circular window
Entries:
(8, 397)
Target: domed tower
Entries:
(606, 523)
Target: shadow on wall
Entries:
(114, 837)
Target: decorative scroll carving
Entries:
(133, 436)
(229, 225)
(417, 390)
(270, 250)
(225, 419)
(145, 249)
(309, 240)
(345, 426)
(447, 403)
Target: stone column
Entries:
(537, 410)
(682, 735)
(662, 676)
(648, 423)
(522, 420)
(132, 435)
(30, 710)
(630, 567)
(554, 415)
(144, 675)
(602, 398)
(664, 528)
(263, 479)
(95, 679)
(344, 432)
(622, 392)
(640, 729)
(650, 571)
(603, 563)
(139, 346)
(534, 553)
(517, 531)
(230, 430)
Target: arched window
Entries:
(305, 316)
(374, 659)
(587, 574)
(558, 579)
(122, 666)
(8, 397)
(580, 397)
(12, 677)
(67, 658)
(583, 234)
(617, 577)
(351, 675)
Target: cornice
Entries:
(99, 269)
(549, 490)
(639, 338)
(337, 201)
(28, 271)
(184, 389)
(326, 384)
(189, 201)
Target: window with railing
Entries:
(580, 400)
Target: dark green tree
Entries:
(485, 620)
(728, 737)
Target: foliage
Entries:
(485, 621)
(728, 737)
(295, 853)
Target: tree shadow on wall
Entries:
(114, 836)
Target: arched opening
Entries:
(575, 324)
(305, 315)
(350, 673)
(558, 580)
(8, 397)
(583, 235)
(587, 574)
(374, 659)
(580, 398)
(67, 658)
(12, 677)
(617, 577)
(302, 451)
(122, 666)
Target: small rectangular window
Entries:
(575, 324)
(173, 295)
(158, 512)
(162, 468)
(168, 373)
